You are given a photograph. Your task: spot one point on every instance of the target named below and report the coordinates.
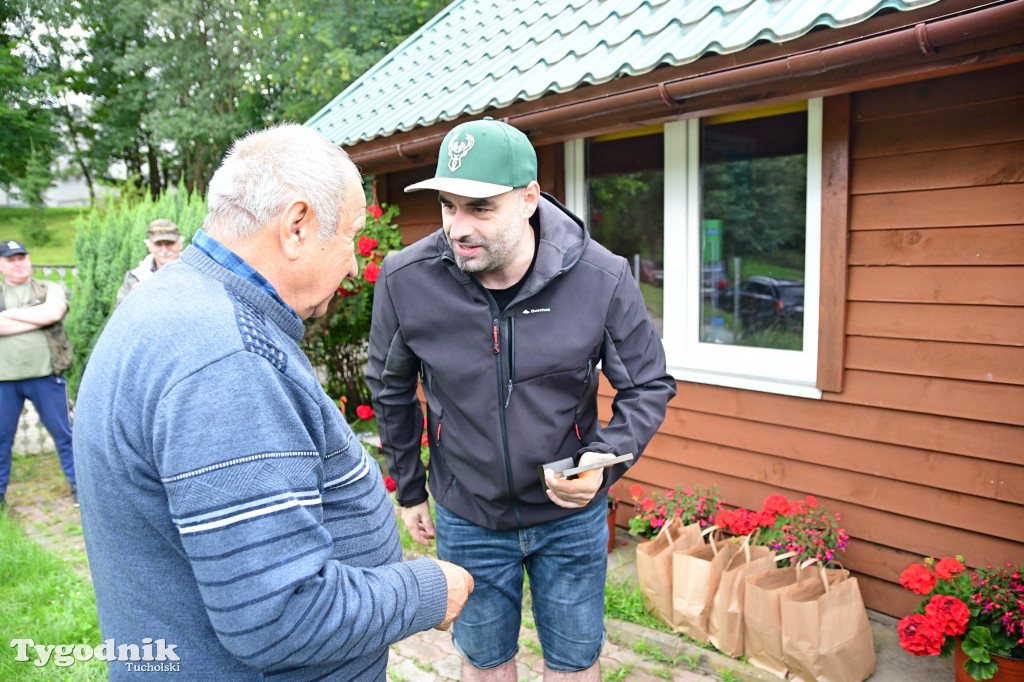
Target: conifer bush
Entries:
(108, 244)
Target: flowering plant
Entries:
(802, 527)
(613, 502)
(691, 505)
(984, 607)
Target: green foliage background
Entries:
(107, 245)
(170, 83)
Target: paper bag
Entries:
(762, 618)
(695, 576)
(725, 622)
(654, 565)
(825, 632)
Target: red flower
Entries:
(949, 614)
(366, 246)
(647, 505)
(917, 579)
(636, 490)
(744, 522)
(920, 636)
(423, 440)
(345, 293)
(364, 412)
(370, 272)
(776, 505)
(375, 211)
(948, 567)
(390, 484)
(812, 501)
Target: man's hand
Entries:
(460, 584)
(576, 493)
(419, 524)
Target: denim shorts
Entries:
(566, 561)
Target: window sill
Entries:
(747, 383)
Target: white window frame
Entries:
(785, 372)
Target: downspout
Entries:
(924, 38)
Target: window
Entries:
(625, 198)
(736, 296)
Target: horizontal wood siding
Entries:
(922, 448)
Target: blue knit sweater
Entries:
(227, 507)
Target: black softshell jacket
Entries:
(509, 390)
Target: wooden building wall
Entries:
(922, 450)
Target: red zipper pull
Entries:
(495, 328)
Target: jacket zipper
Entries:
(586, 383)
(504, 430)
(510, 351)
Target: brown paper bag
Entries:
(654, 565)
(762, 618)
(825, 632)
(725, 622)
(696, 573)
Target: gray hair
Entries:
(266, 170)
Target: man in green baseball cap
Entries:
(502, 317)
(480, 164)
(482, 159)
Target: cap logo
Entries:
(14, 245)
(457, 151)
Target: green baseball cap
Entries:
(482, 159)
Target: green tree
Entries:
(32, 186)
(318, 49)
(171, 84)
(25, 117)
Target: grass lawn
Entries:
(44, 599)
(59, 224)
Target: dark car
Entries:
(766, 302)
(652, 272)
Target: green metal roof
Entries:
(478, 54)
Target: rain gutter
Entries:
(925, 38)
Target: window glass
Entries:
(625, 196)
(753, 205)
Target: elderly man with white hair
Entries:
(234, 524)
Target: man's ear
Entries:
(531, 197)
(295, 227)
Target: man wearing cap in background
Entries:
(164, 240)
(34, 352)
(503, 316)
